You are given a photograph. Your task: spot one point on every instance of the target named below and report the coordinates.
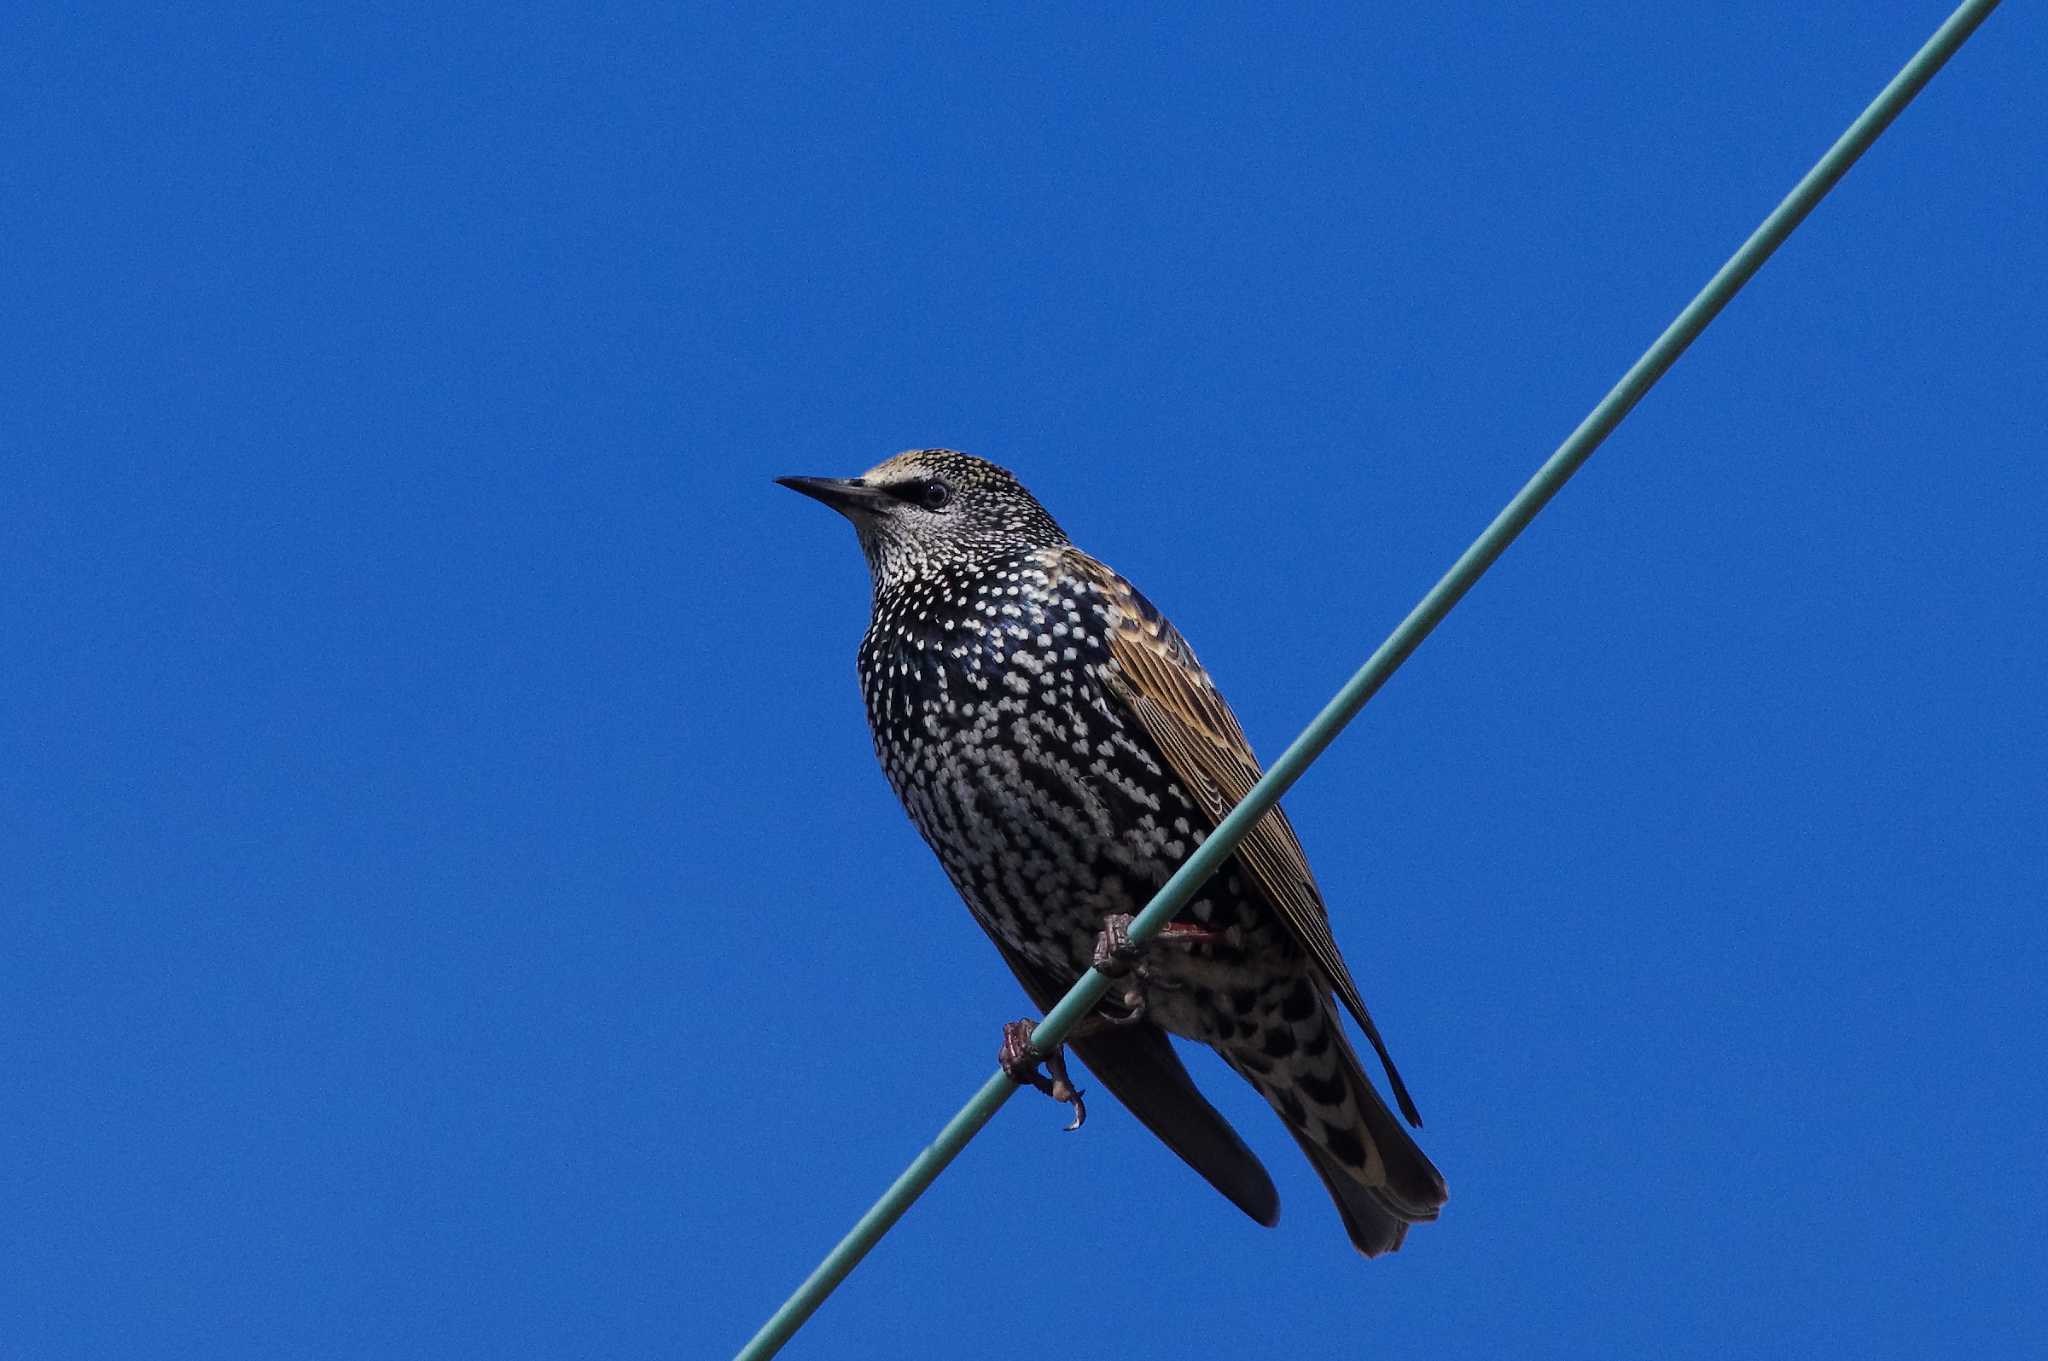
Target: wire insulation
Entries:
(1403, 641)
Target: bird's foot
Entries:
(1118, 956)
(1020, 1058)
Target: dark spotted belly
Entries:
(1049, 811)
(1051, 817)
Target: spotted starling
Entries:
(1062, 751)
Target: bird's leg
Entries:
(1020, 1058)
(1118, 956)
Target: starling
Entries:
(1062, 752)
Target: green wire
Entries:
(1208, 857)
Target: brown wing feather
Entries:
(1139, 1066)
(1178, 706)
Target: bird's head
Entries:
(930, 509)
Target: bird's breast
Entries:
(998, 731)
(943, 657)
(1048, 804)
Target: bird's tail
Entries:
(1379, 1178)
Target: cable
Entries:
(1488, 547)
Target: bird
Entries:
(1061, 750)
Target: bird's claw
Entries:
(1118, 956)
(1020, 1058)
(1115, 954)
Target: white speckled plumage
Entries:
(1044, 726)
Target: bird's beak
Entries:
(847, 495)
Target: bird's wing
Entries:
(1139, 1066)
(1157, 678)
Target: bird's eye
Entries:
(934, 495)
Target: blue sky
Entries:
(452, 908)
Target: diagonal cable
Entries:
(1209, 856)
